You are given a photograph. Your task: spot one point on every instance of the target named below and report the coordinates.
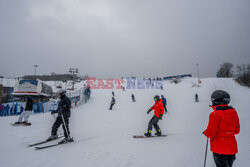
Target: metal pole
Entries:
(206, 154)
(65, 126)
(198, 74)
(35, 66)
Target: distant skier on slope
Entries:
(26, 113)
(133, 98)
(164, 102)
(158, 112)
(112, 103)
(222, 127)
(62, 118)
(87, 93)
(196, 98)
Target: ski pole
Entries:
(206, 154)
(66, 129)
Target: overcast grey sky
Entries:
(111, 38)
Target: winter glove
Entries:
(148, 111)
(53, 112)
(160, 117)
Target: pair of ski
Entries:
(45, 141)
(57, 144)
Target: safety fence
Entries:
(77, 98)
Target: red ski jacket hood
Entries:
(222, 127)
(158, 108)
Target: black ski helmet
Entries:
(61, 93)
(156, 98)
(220, 97)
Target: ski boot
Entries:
(52, 137)
(158, 133)
(66, 140)
(148, 134)
(26, 123)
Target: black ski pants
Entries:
(111, 106)
(165, 108)
(153, 122)
(222, 160)
(58, 123)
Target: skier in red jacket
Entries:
(222, 127)
(158, 112)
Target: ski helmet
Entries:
(156, 98)
(220, 97)
(61, 93)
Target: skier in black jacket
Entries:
(62, 118)
(112, 103)
(133, 98)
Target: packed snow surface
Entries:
(104, 138)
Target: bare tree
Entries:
(225, 70)
(243, 76)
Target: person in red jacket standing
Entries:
(222, 127)
(158, 112)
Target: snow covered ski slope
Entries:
(104, 138)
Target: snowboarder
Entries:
(63, 111)
(133, 98)
(113, 94)
(112, 103)
(222, 127)
(158, 112)
(26, 113)
(196, 98)
(164, 102)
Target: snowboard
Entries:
(13, 124)
(142, 136)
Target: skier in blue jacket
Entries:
(164, 102)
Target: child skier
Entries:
(222, 127)
(158, 112)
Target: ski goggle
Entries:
(155, 99)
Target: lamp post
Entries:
(73, 71)
(198, 73)
(35, 66)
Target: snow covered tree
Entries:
(243, 76)
(225, 70)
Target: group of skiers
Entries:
(222, 127)
(63, 111)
